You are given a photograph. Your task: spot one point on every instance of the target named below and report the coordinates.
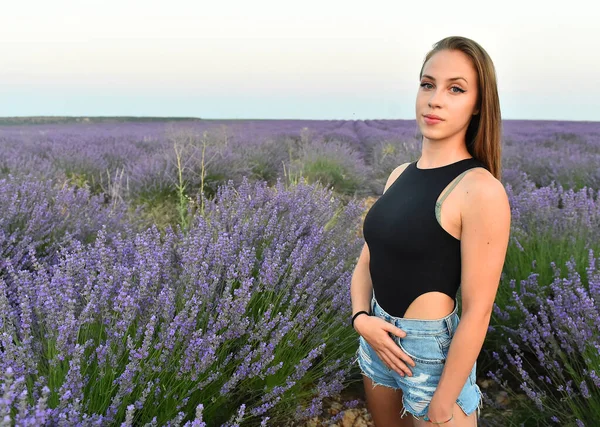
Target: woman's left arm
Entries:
(484, 241)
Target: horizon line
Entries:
(247, 118)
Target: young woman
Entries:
(442, 222)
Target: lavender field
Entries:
(197, 272)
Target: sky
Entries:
(265, 59)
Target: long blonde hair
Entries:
(483, 136)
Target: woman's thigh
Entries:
(385, 405)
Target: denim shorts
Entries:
(426, 343)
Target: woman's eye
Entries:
(453, 87)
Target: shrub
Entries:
(242, 316)
(553, 355)
(42, 214)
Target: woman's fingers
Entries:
(394, 364)
(394, 347)
(395, 361)
(396, 358)
(391, 364)
(402, 355)
(395, 330)
(391, 353)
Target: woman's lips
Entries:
(431, 121)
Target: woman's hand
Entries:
(439, 412)
(437, 422)
(376, 332)
(440, 422)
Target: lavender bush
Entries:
(553, 356)
(567, 153)
(332, 164)
(386, 156)
(43, 214)
(548, 224)
(241, 319)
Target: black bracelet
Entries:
(360, 312)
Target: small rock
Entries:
(502, 398)
(354, 418)
(485, 383)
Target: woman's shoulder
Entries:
(395, 174)
(479, 186)
(479, 177)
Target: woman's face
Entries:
(454, 101)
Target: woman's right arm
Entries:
(361, 286)
(376, 330)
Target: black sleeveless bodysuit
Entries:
(410, 253)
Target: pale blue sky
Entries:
(326, 59)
